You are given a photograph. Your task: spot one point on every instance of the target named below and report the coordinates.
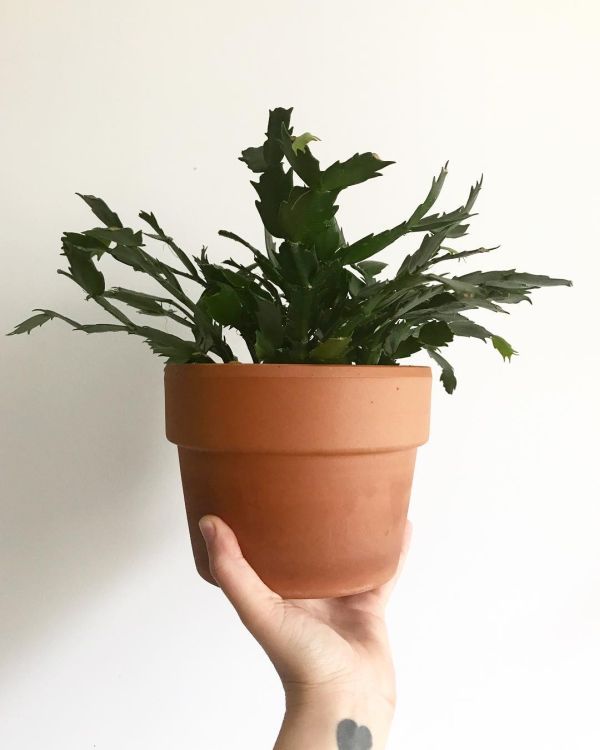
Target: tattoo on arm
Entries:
(352, 737)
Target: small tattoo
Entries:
(352, 737)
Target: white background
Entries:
(109, 638)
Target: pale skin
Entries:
(332, 655)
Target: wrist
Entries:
(315, 697)
(317, 717)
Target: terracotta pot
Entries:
(311, 465)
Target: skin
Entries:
(332, 655)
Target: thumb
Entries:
(254, 602)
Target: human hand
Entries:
(332, 655)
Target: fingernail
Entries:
(207, 528)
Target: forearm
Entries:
(335, 721)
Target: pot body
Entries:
(310, 465)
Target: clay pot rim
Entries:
(307, 371)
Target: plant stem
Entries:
(115, 312)
(175, 290)
(259, 280)
(179, 307)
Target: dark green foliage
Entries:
(310, 297)
(82, 269)
(33, 322)
(102, 211)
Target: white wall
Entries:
(109, 639)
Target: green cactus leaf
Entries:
(357, 169)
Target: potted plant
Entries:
(308, 452)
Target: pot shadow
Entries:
(82, 437)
